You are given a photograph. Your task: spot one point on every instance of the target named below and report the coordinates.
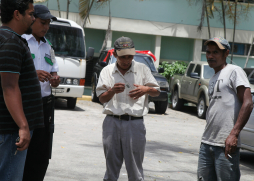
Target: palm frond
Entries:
(83, 8)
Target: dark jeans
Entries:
(37, 159)
(11, 165)
(214, 166)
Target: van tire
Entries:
(93, 94)
(71, 102)
(177, 103)
(161, 106)
(201, 107)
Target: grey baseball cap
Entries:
(41, 11)
(124, 46)
(221, 42)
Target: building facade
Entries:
(168, 28)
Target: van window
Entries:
(66, 41)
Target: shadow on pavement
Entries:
(61, 104)
(191, 110)
(152, 111)
(246, 159)
(164, 148)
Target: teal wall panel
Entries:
(94, 38)
(52, 5)
(141, 41)
(168, 11)
(177, 48)
(240, 61)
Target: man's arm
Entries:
(142, 90)
(13, 101)
(244, 95)
(107, 96)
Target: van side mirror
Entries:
(90, 53)
(194, 75)
(161, 70)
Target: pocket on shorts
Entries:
(1, 138)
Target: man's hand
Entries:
(43, 75)
(230, 145)
(55, 81)
(25, 138)
(138, 92)
(118, 88)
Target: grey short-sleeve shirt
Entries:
(224, 106)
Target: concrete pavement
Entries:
(171, 154)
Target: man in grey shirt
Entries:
(228, 112)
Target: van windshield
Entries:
(66, 41)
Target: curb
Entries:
(85, 98)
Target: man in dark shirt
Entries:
(20, 93)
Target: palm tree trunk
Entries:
(104, 45)
(59, 10)
(233, 44)
(207, 19)
(223, 14)
(247, 60)
(68, 3)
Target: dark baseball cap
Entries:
(221, 42)
(124, 46)
(41, 11)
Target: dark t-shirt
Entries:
(15, 57)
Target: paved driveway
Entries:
(173, 142)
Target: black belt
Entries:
(125, 117)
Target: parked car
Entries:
(106, 57)
(192, 87)
(250, 74)
(247, 134)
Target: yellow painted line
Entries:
(85, 98)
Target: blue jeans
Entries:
(11, 166)
(214, 166)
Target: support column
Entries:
(157, 50)
(197, 50)
(109, 41)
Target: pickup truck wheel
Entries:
(177, 103)
(161, 106)
(93, 94)
(201, 107)
(71, 102)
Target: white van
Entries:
(68, 41)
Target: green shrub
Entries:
(174, 68)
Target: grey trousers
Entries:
(124, 140)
